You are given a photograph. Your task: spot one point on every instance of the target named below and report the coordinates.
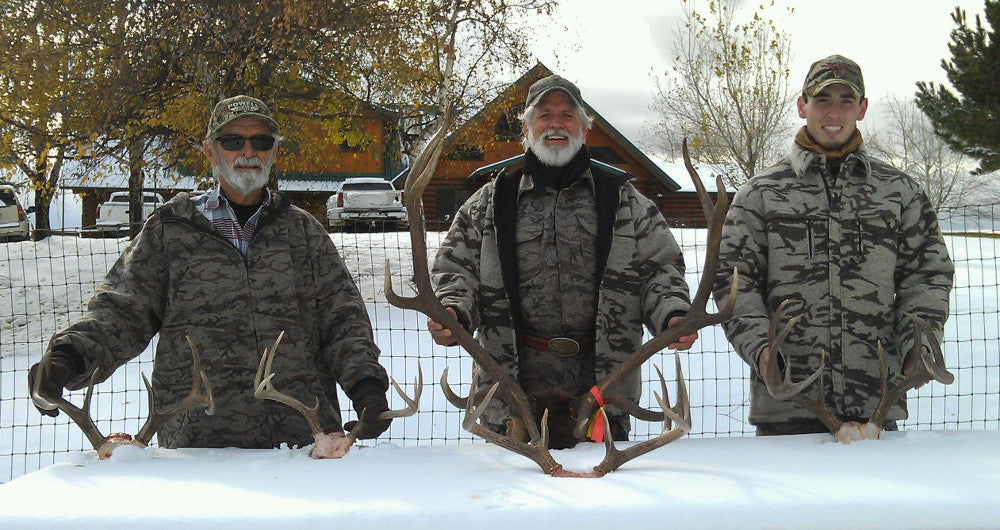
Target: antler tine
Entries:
(779, 384)
(680, 414)
(419, 176)
(928, 365)
(933, 360)
(537, 449)
(80, 416)
(412, 404)
(195, 398)
(453, 398)
(699, 186)
(614, 398)
(410, 409)
(264, 389)
(696, 318)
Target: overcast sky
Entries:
(612, 48)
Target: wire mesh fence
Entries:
(45, 285)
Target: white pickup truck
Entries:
(112, 215)
(366, 200)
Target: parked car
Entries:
(14, 224)
(113, 215)
(366, 200)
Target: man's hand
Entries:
(61, 370)
(368, 407)
(765, 357)
(441, 335)
(684, 342)
(910, 364)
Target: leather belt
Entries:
(563, 346)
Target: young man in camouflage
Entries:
(560, 249)
(231, 269)
(851, 241)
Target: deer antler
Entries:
(509, 390)
(679, 414)
(334, 444)
(928, 365)
(427, 303)
(195, 398)
(537, 449)
(105, 445)
(696, 318)
(780, 385)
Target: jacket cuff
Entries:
(677, 313)
(367, 385)
(70, 353)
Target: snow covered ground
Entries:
(915, 479)
(44, 286)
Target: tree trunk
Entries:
(135, 184)
(44, 180)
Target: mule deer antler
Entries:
(505, 387)
(105, 445)
(927, 366)
(334, 444)
(696, 318)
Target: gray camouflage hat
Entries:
(236, 108)
(832, 70)
(553, 82)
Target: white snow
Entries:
(427, 473)
(906, 480)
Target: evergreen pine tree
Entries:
(969, 121)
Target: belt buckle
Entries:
(563, 346)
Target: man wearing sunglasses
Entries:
(231, 269)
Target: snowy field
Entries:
(911, 479)
(44, 286)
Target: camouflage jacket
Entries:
(181, 277)
(642, 283)
(852, 257)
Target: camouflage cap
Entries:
(237, 108)
(553, 82)
(832, 70)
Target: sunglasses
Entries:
(235, 142)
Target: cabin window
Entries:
(605, 154)
(508, 127)
(466, 152)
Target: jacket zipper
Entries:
(809, 237)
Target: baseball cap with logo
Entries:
(832, 70)
(553, 82)
(237, 108)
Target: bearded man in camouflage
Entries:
(559, 250)
(231, 269)
(851, 241)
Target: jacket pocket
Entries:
(877, 233)
(532, 259)
(877, 248)
(794, 237)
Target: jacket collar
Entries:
(803, 160)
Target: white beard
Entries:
(555, 156)
(244, 181)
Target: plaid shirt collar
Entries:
(215, 207)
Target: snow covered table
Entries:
(909, 479)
